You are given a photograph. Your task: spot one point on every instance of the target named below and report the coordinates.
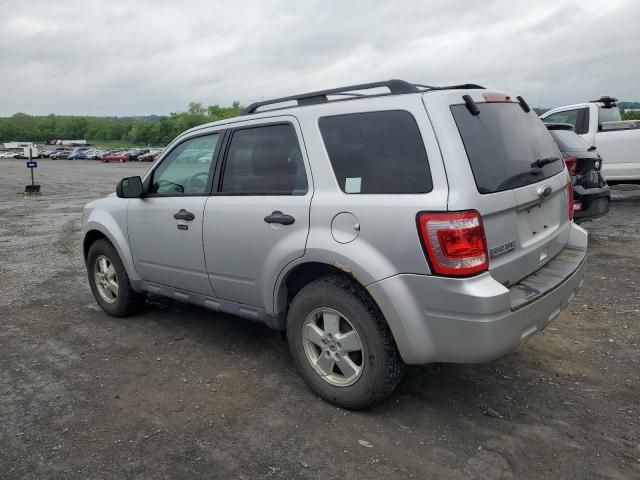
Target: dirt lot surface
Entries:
(181, 393)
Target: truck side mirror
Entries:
(130, 187)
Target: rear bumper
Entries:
(477, 319)
(595, 202)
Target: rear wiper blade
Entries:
(541, 162)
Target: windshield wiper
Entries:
(541, 162)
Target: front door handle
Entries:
(279, 217)
(184, 215)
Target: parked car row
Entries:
(141, 155)
(84, 153)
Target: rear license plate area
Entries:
(536, 221)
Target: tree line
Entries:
(151, 130)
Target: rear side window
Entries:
(503, 142)
(377, 152)
(264, 160)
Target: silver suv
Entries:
(378, 225)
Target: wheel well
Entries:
(89, 239)
(304, 274)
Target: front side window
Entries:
(264, 160)
(570, 117)
(186, 170)
(377, 152)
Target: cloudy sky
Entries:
(140, 57)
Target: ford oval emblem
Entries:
(544, 191)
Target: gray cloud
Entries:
(94, 57)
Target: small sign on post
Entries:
(33, 188)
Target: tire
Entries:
(125, 302)
(380, 367)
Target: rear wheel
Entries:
(342, 345)
(109, 281)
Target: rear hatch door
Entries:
(508, 167)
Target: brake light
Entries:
(496, 97)
(570, 200)
(572, 164)
(454, 242)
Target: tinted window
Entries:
(502, 142)
(185, 171)
(377, 152)
(568, 141)
(264, 161)
(608, 115)
(570, 117)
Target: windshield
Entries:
(503, 142)
(569, 141)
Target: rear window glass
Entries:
(568, 141)
(502, 142)
(609, 114)
(377, 152)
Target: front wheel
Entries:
(342, 345)
(109, 281)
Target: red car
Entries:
(117, 157)
(149, 157)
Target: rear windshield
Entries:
(502, 143)
(569, 141)
(609, 114)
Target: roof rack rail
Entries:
(607, 100)
(394, 86)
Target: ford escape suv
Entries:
(379, 225)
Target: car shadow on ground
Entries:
(485, 389)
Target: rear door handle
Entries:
(279, 217)
(184, 215)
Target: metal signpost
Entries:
(33, 188)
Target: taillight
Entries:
(454, 242)
(570, 200)
(572, 164)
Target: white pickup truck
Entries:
(600, 124)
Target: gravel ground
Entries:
(179, 392)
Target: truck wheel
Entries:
(110, 283)
(342, 345)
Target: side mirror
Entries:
(130, 187)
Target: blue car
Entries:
(79, 156)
